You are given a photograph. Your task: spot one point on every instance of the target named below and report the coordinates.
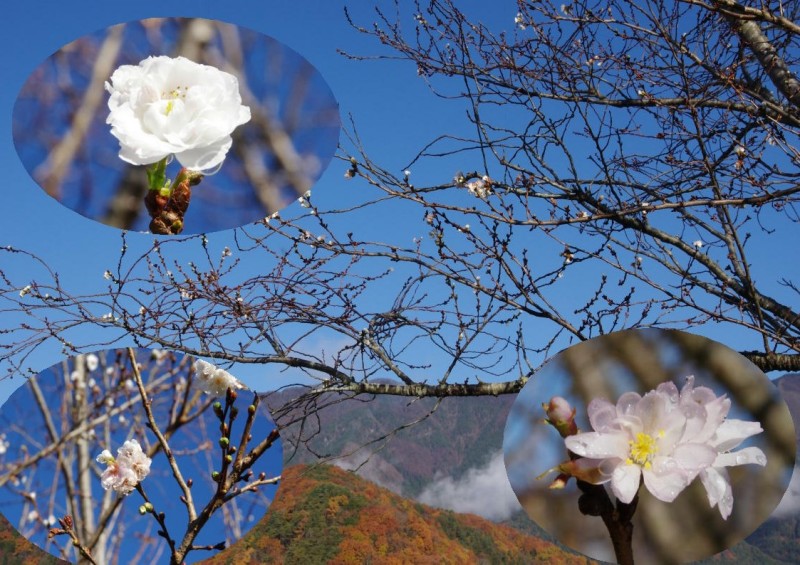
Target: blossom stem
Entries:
(251, 416)
(159, 516)
(187, 492)
(157, 175)
(167, 205)
(231, 471)
(252, 487)
(227, 412)
(618, 518)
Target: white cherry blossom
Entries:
(173, 106)
(92, 361)
(213, 380)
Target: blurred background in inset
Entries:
(63, 141)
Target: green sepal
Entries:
(157, 175)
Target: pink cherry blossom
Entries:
(667, 438)
(639, 438)
(126, 470)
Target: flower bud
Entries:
(229, 459)
(559, 482)
(561, 416)
(223, 442)
(251, 409)
(583, 469)
(142, 510)
(215, 476)
(234, 412)
(148, 507)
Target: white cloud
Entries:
(790, 503)
(373, 468)
(484, 491)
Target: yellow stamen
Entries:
(643, 449)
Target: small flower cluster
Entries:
(480, 188)
(213, 380)
(667, 438)
(126, 470)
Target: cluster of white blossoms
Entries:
(213, 380)
(126, 470)
(668, 438)
(173, 106)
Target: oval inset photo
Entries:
(175, 125)
(672, 436)
(141, 455)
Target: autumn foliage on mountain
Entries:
(323, 514)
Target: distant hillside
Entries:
(17, 550)
(323, 514)
(450, 438)
(779, 538)
(789, 386)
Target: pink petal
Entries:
(601, 414)
(627, 403)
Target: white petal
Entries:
(718, 489)
(207, 157)
(625, 481)
(733, 432)
(668, 485)
(748, 455)
(694, 456)
(597, 445)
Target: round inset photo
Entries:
(175, 125)
(649, 445)
(143, 456)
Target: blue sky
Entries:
(393, 110)
(382, 98)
